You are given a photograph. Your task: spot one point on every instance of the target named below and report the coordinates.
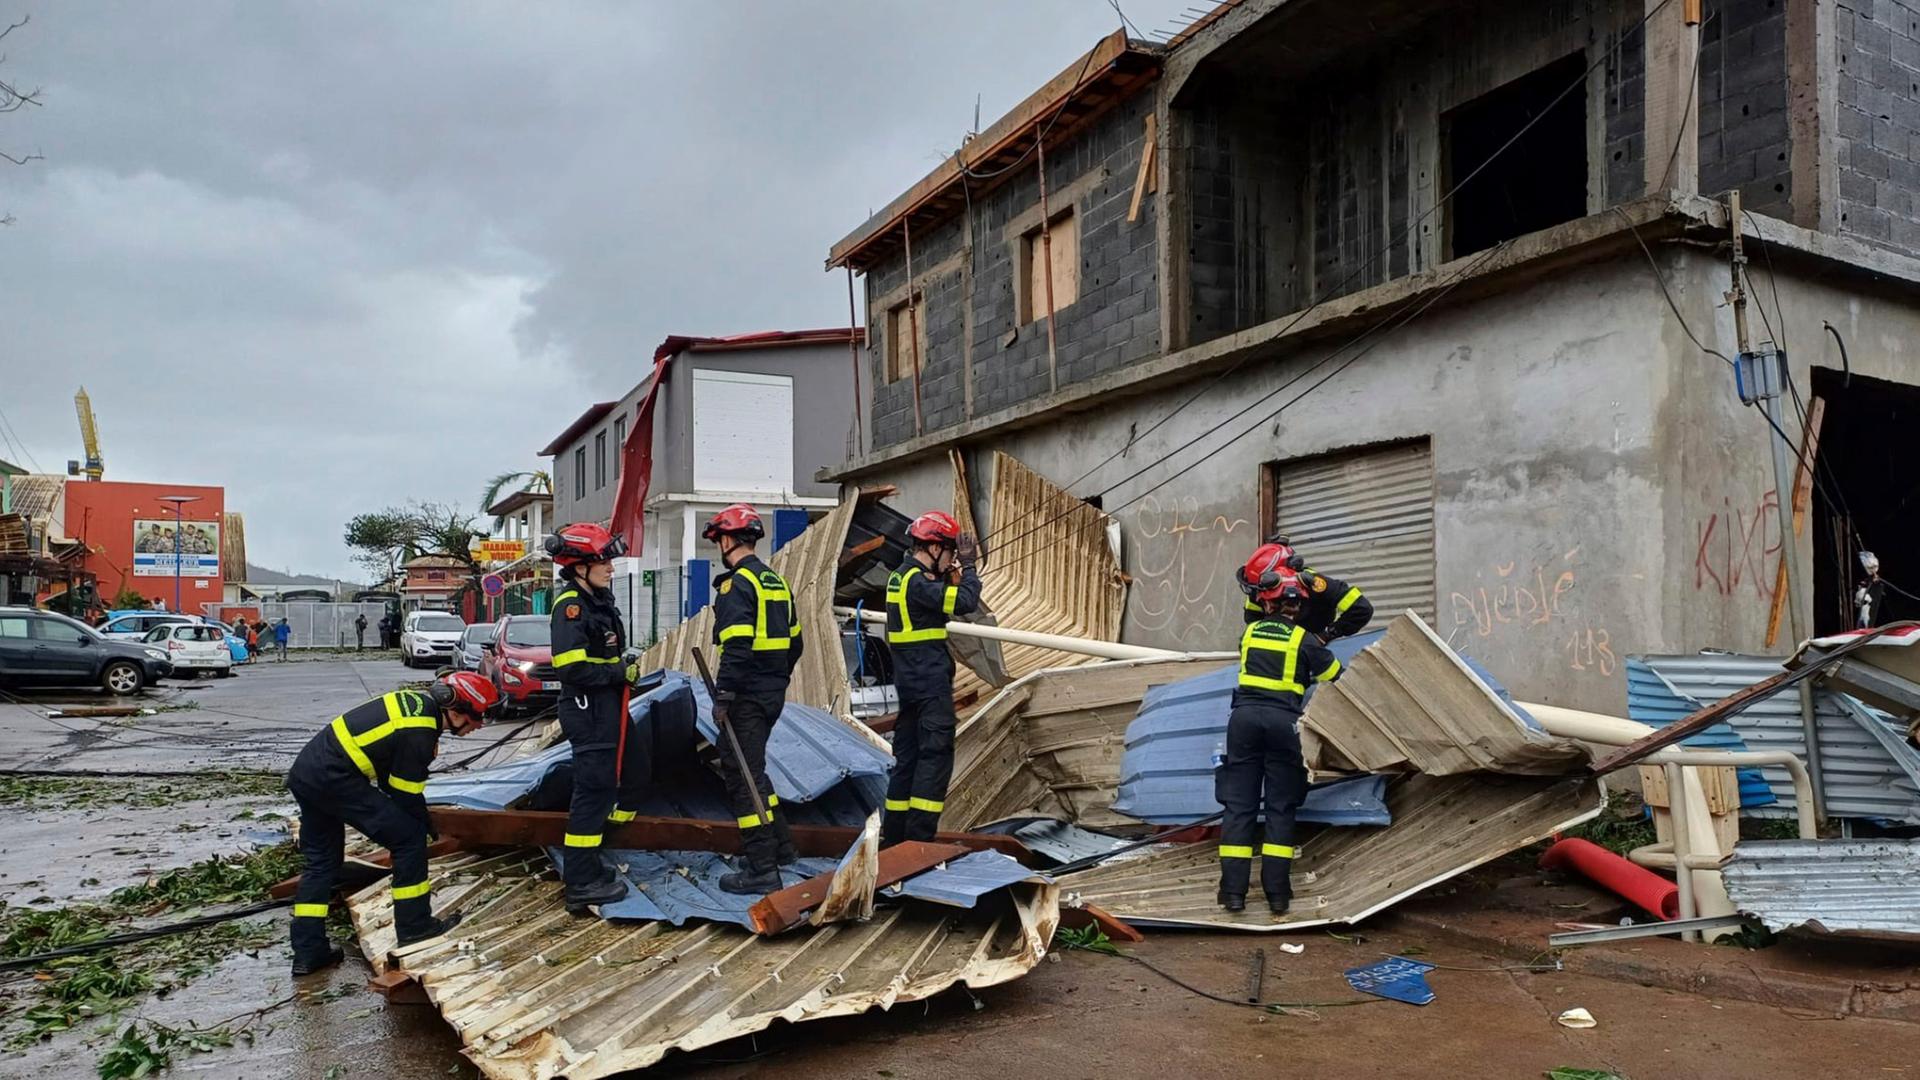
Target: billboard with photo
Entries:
(154, 544)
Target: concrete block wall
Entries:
(1744, 137)
(1878, 65)
(968, 272)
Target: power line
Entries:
(1339, 287)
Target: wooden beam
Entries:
(865, 547)
(1802, 501)
(780, 911)
(1145, 176)
(545, 828)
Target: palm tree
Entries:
(534, 481)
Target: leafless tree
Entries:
(13, 99)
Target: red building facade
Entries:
(132, 533)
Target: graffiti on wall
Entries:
(1518, 602)
(1183, 560)
(1737, 547)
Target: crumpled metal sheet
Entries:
(536, 994)
(682, 886)
(1867, 888)
(1408, 703)
(963, 881)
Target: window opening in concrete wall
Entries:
(600, 460)
(1364, 516)
(1059, 244)
(901, 328)
(1539, 181)
(1867, 498)
(580, 472)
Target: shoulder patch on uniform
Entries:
(726, 587)
(572, 611)
(1319, 583)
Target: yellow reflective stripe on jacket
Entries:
(1236, 851)
(411, 787)
(929, 805)
(1290, 648)
(353, 750)
(375, 734)
(578, 840)
(579, 656)
(950, 600)
(1327, 675)
(570, 594)
(728, 633)
(411, 892)
(765, 593)
(309, 911)
(899, 806)
(1277, 851)
(897, 599)
(1347, 601)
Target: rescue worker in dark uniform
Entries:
(1278, 659)
(368, 769)
(757, 630)
(920, 600)
(1334, 609)
(589, 640)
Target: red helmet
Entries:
(1269, 573)
(584, 542)
(470, 693)
(738, 520)
(934, 527)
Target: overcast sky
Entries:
(338, 256)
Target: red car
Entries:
(519, 661)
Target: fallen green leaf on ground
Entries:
(1565, 1073)
(140, 792)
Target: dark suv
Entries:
(43, 648)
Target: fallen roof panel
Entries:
(535, 994)
(963, 881)
(681, 886)
(1856, 887)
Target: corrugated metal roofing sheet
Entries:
(1869, 770)
(1056, 840)
(536, 994)
(1653, 701)
(1841, 886)
(1049, 568)
(35, 495)
(679, 886)
(963, 881)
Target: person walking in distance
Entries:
(1278, 658)
(757, 630)
(368, 769)
(920, 600)
(589, 640)
(360, 632)
(282, 633)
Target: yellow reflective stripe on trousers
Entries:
(1236, 851)
(897, 599)
(772, 800)
(577, 840)
(353, 750)
(1290, 648)
(899, 805)
(309, 911)
(411, 787)
(1347, 601)
(752, 821)
(928, 805)
(579, 656)
(412, 892)
(1277, 851)
(621, 817)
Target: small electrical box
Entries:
(1760, 375)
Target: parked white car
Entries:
(193, 648)
(428, 638)
(135, 626)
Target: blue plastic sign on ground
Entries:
(493, 584)
(1397, 979)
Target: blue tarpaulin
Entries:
(1396, 979)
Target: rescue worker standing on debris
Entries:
(757, 630)
(920, 600)
(1333, 608)
(1278, 658)
(589, 639)
(368, 769)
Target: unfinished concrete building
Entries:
(1440, 289)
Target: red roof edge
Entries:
(759, 339)
(586, 420)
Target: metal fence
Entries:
(323, 625)
(650, 606)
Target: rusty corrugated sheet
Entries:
(536, 994)
(808, 564)
(1049, 568)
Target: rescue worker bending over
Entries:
(1277, 660)
(1333, 609)
(757, 630)
(920, 600)
(368, 769)
(589, 638)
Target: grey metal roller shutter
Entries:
(1365, 517)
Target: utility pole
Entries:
(1771, 378)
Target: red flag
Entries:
(636, 465)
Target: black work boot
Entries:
(1278, 903)
(1232, 902)
(788, 854)
(431, 929)
(307, 965)
(751, 881)
(580, 900)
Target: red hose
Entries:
(1652, 893)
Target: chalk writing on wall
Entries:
(1180, 559)
(1517, 602)
(1737, 546)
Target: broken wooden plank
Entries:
(1802, 502)
(865, 547)
(1145, 175)
(783, 910)
(545, 828)
(359, 872)
(399, 988)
